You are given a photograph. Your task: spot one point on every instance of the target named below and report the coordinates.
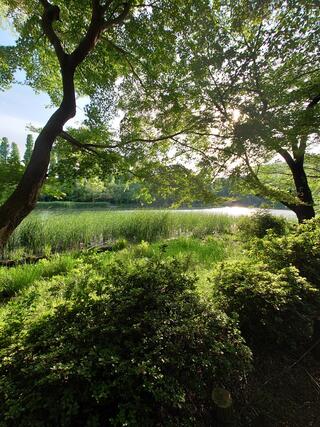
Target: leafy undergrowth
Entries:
(144, 334)
(198, 255)
(122, 344)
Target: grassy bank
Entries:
(198, 255)
(46, 232)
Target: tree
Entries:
(14, 156)
(4, 149)
(103, 18)
(276, 95)
(28, 150)
(244, 89)
(76, 59)
(10, 168)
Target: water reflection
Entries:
(241, 211)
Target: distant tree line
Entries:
(72, 184)
(11, 166)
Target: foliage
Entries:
(275, 308)
(300, 248)
(28, 150)
(199, 253)
(10, 167)
(243, 89)
(277, 175)
(258, 224)
(201, 84)
(66, 205)
(4, 150)
(128, 345)
(14, 156)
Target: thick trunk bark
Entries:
(305, 210)
(24, 198)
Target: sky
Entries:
(20, 106)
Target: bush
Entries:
(258, 224)
(274, 308)
(300, 248)
(133, 347)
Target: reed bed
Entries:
(60, 231)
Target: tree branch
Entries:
(96, 27)
(51, 14)
(69, 138)
(125, 55)
(287, 157)
(120, 18)
(92, 146)
(92, 35)
(314, 102)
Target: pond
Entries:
(242, 211)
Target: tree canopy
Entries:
(244, 87)
(204, 89)
(77, 48)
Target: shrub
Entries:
(274, 308)
(136, 348)
(258, 224)
(300, 248)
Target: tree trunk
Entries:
(305, 210)
(23, 200)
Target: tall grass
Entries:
(13, 280)
(62, 230)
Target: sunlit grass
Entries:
(14, 279)
(60, 231)
(198, 255)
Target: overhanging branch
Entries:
(74, 142)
